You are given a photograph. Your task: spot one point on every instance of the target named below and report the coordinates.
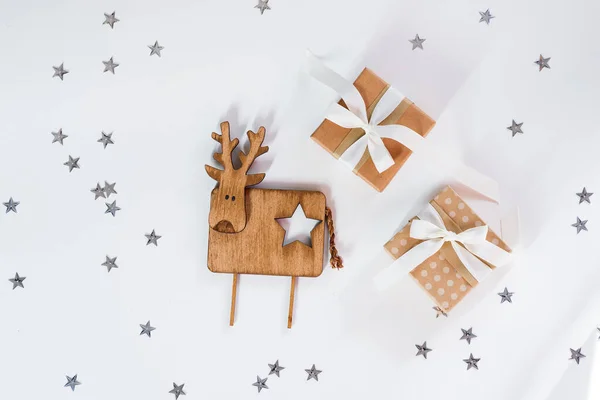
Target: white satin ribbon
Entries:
(355, 116)
(430, 228)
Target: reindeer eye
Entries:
(226, 197)
(232, 198)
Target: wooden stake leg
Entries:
(233, 297)
(291, 310)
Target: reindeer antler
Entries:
(225, 157)
(255, 151)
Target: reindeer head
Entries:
(228, 202)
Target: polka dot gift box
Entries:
(457, 247)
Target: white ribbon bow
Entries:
(430, 228)
(355, 116)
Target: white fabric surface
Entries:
(223, 60)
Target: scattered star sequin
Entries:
(60, 71)
(17, 281)
(472, 362)
(275, 368)
(576, 355)
(313, 373)
(110, 65)
(177, 390)
(11, 205)
(505, 296)
(262, 6)
(110, 20)
(155, 48)
(58, 136)
(584, 195)
(417, 42)
(543, 62)
(98, 192)
(580, 225)
(515, 128)
(147, 330)
(152, 238)
(422, 350)
(72, 382)
(598, 329)
(109, 188)
(260, 383)
(112, 208)
(439, 312)
(468, 335)
(106, 139)
(72, 163)
(110, 263)
(486, 16)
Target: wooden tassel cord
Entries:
(335, 261)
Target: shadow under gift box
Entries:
(336, 139)
(443, 276)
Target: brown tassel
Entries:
(336, 260)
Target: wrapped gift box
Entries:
(336, 139)
(443, 276)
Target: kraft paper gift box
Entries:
(443, 276)
(337, 139)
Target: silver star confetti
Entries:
(110, 65)
(112, 208)
(262, 6)
(147, 330)
(110, 263)
(506, 296)
(110, 19)
(576, 355)
(11, 205)
(486, 16)
(155, 49)
(72, 163)
(423, 350)
(584, 196)
(72, 382)
(543, 62)
(275, 368)
(60, 71)
(58, 136)
(515, 128)
(467, 335)
(580, 225)
(439, 312)
(17, 281)
(598, 332)
(472, 362)
(177, 390)
(260, 383)
(313, 373)
(152, 238)
(417, 42)
(106, 139)
(109, 188)
(98, 192)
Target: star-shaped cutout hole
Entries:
(298, 227)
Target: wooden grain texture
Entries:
(234, 286)
(331, 136)
(258, 248)
(291, 308)
(227, 210)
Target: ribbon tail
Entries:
(347, 91)
(379, 153)
(406, 263)
(489, 252)
(479, 270)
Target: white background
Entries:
(223, 60)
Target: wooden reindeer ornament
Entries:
(245, 236)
